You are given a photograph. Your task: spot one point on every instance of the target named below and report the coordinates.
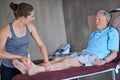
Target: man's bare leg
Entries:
(40, 67)
(35, 69)
(55, 60)
(64, 64)
(20, 66)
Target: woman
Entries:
(15, 38)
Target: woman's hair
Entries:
(22, 9)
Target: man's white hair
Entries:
(106, 14)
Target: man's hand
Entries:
(99, 62)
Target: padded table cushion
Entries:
(67, 73)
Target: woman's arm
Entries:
(4, 35)
(41, 45)
(39, 42)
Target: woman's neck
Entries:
(19, 22)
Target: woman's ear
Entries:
(23, 17)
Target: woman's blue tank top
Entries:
(16, 45)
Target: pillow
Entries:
(115, 20)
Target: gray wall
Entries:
(53, 25)
(49, 21)
(76, 14)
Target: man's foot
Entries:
(20, 66)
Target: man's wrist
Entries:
(105, 61)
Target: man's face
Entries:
(101, 21)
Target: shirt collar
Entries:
(104, 30)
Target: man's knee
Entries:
(58, 59)
(71, 61)
(66, 62)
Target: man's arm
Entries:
(112, 56)
(109, 58)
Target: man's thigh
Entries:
(72, 61)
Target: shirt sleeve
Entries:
(113, 41)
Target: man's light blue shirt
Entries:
(103, 42)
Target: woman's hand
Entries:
(47, 66)
(25, 61)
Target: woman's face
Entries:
(31, 17)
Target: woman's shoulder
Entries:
(5, 30)
(31, 27)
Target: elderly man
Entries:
(102, 48)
